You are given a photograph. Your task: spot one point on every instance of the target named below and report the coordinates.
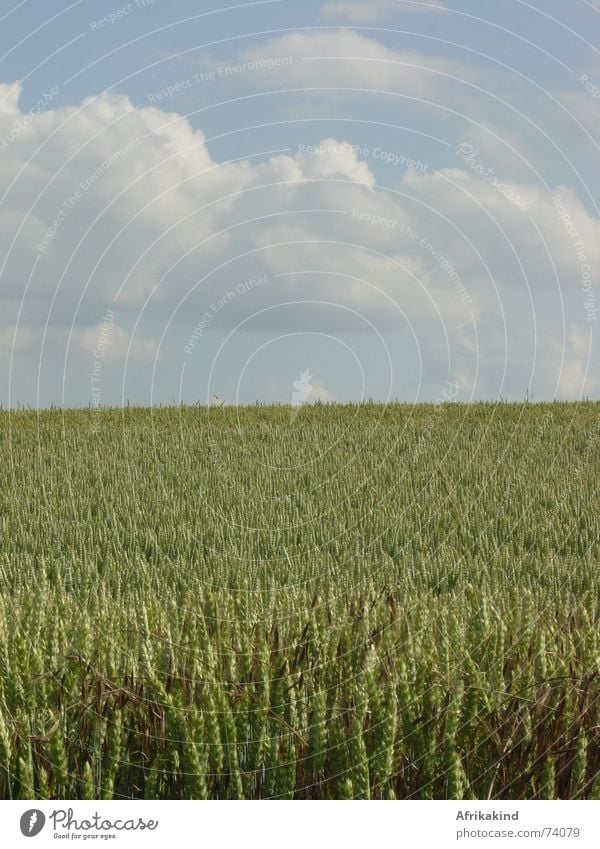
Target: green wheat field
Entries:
(361, 601)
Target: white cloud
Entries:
(501, 231)
(575, 379)
(114, 344)
(364, 11)
(345, 58)
(333, 158)
(319, 392)
(9, 98)
(12, 343)
(586, 110)
(165, 212)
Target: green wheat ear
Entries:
(347, 791)
(25, 776)
(595, 791)
(579, 772)
(358, 762)
(548, 779)
(88, 790)
(6, 759)
(113, 755)
(256, 617)
(43, 784)
(59, 766)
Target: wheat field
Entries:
(359, 601)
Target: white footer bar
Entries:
(302, 825)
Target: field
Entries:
(351, 602)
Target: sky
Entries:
(290, 202)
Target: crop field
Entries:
(359, 601)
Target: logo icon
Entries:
(32, 822)
(302, 391)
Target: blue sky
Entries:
(209, 199)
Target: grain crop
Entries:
(356, 601)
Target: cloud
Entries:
(585, 109)
(9, 98)
(112, 344)
(331, 158)
(346, 58)
(12, 343)
(575, 379)
(506, 237)
(125, 208)
(320, 393)
(364, 11)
